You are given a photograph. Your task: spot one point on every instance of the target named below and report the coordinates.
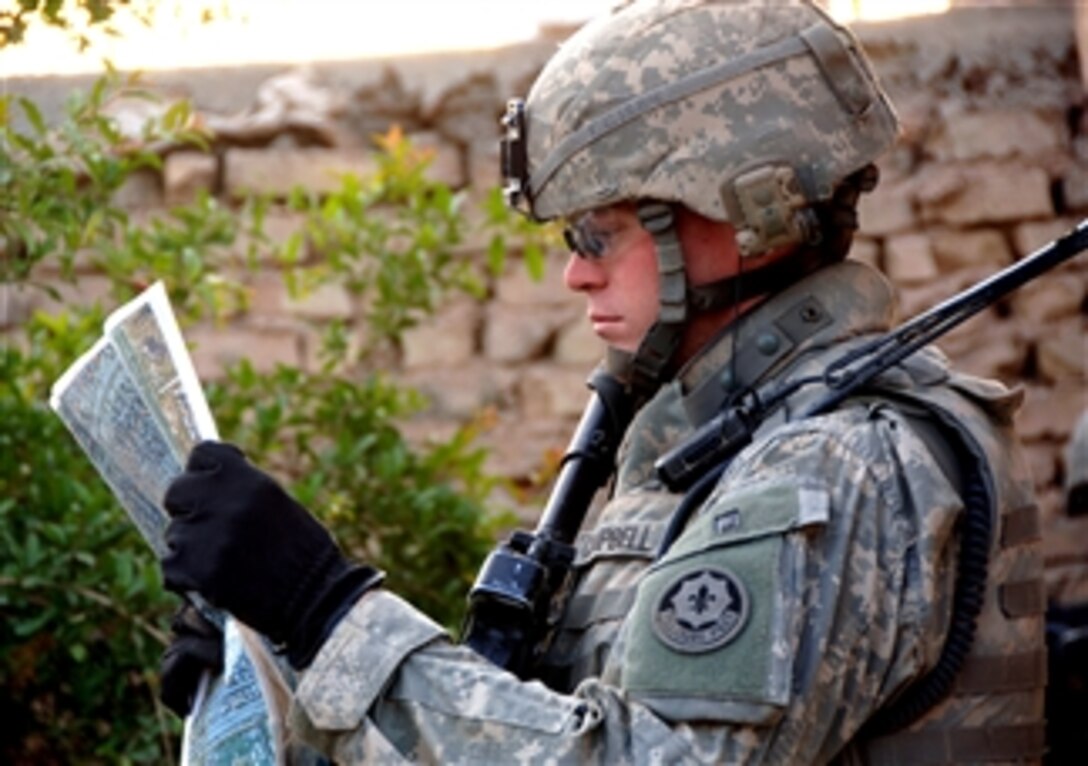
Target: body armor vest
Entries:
(994, 712)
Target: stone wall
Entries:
(992, 164)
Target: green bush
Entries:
(83, 606)
(85, 616)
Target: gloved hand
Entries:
(237, 538)
(196, 646)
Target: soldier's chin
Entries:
(615, 335)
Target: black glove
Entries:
(196, 646)
(237, 538)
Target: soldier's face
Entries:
(613, 263)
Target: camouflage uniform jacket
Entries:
(814, 583)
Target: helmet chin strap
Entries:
(652, 363)
(647, 368)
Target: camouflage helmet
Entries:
(745, 111)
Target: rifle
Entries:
(509, 606)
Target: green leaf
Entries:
(534, 260)
(496, 255)
(31, 625)
(33, 115)
(177, 115)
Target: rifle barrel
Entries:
(923, 329)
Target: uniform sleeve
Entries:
(812, 586)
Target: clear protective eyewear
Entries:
(595, 234)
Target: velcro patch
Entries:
(712, 632)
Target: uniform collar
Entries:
(836, 303)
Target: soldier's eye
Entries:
(587, 240)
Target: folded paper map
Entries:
(135, 406)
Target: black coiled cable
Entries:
(967, 600)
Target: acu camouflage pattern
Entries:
(815, 107)
(996, 710)
(866, 596)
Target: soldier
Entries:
(832, 598)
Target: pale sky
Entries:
(310, 30)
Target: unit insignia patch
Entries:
(701, 610)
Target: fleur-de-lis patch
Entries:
(701, 610)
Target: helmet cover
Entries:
(688, 101)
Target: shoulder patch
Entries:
(716, 622)
(701, 610)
